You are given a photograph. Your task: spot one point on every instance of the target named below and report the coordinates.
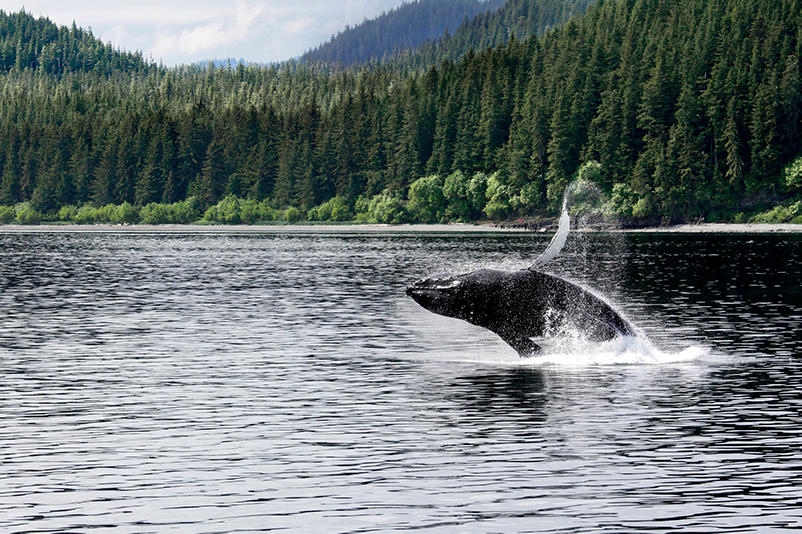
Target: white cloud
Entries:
(186, 31)
(210, 36)
(299, 25)
(117, 34)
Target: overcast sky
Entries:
(185, 31)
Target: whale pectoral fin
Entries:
(522, 344)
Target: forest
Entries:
(676, 109)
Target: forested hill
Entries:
(413, 34)
(676, 108)
(38, 44)
(520, 18)
(405, 27)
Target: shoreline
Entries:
(721, 228)
(703, 228)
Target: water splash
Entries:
(619, 351)
(588, 205)
(585, 201)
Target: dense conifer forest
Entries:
(677, 109)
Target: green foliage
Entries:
(106, 214)
(792, 174)
(527, 201)
(590, 172)
(456, 195)
(184, 212)
(464, 196)
(292, 215)
(643, 207)
(7, 214)
(427, 202)
(622, 201)
(36, 44)
(252, 212)
(234, 210)
(422, 34)
(335, 209)
(499, 198)
(740, 218)
(126, 214)
(227, 211)
(25, 214)
(86, 214)
(67, 213)
(384, 208)
(585, 198)
(781, 214)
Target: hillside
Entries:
(405, 27)
(39, 45)
(421, 34)
(520, 18)
(677, 108)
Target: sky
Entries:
(176, 32)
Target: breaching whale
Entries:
(525, 304)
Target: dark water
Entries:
(247, 382)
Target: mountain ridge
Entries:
(486, 28)
(402, 28)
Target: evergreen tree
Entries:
(210, 183)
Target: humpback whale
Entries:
(525, 304)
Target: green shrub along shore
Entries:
(431, 199)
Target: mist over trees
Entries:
(516, 18)
(680, 108)
(422, 34)
(406, 27)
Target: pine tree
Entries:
(211, 182)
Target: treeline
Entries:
(401, 29)
(683, 109)
(430, 199)
(28, 43)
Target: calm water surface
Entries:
(276, 380)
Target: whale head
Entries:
(462, 296)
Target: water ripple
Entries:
(242, 383)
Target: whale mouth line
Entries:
(424, 293)
(432, 286)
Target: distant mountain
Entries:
(405, 27)
(520, 18)
(423, 33)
